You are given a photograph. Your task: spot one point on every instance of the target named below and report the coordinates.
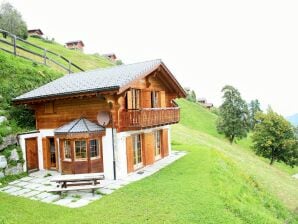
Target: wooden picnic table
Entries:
(80, 181)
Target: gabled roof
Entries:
(75, 42)
(81, 125)
(34, 30)
(105, 79)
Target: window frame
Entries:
(75, 151)
(64, 147)
(98, 144)
(137, 141)
(157, 141)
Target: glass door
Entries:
(157, 144)
(137, 151)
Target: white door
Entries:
(137, 151)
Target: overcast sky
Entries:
(252, 45)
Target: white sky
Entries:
(252, 45)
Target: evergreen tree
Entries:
(254, 108)
(233, 115)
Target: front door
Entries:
(31, 154)
(52, 153)
(137, 151)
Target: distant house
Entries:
(35, 32)
(202, 100)
(110, 56)
(75, 45)
(204, 103)
(208, 105)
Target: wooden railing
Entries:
(151, 117)
(12, 44)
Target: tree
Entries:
(254, 107)
(233, 115)
(190, 95)
(11, 21)
(274, 138)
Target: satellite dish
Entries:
(103, 118)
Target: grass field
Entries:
(214, 183)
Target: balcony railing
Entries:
(149, 117)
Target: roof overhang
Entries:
(78, 94)
(166, 72)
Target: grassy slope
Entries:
(277, 179)
(85, 61)
(16, 77)
(209, 185)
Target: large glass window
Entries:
(157, 142)
(137, 151)
(81, 150)
(94, 148)
(67, 150)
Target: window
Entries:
(67, 150)
(137, 151)
(154, 99)
(94, 148)
(133, 99)
(81, 150)
(157, 144)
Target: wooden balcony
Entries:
(149, 117)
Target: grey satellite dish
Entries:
(103, 118)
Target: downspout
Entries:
(113, 142)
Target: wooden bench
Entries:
(75, 182)
(75, 188)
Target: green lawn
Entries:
(214, 183)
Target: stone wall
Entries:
(11, 161)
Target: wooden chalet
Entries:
(75, 45)
(35, 32)
(114, 120)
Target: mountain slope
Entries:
(198, 127)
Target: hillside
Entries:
(84, 61)
(293, 119)
(214, 183)
(18, 76)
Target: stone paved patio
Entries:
(36, 185)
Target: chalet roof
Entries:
(75, 42)
(34, 30)
(81, 125)
(104, 79)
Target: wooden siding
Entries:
(68, 110)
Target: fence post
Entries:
(45, 56)
(14, 45)
(69, 66)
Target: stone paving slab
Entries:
(36, 185)
(30, 194)
(22, 192)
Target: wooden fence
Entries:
(19, 47)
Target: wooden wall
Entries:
(65, 111)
